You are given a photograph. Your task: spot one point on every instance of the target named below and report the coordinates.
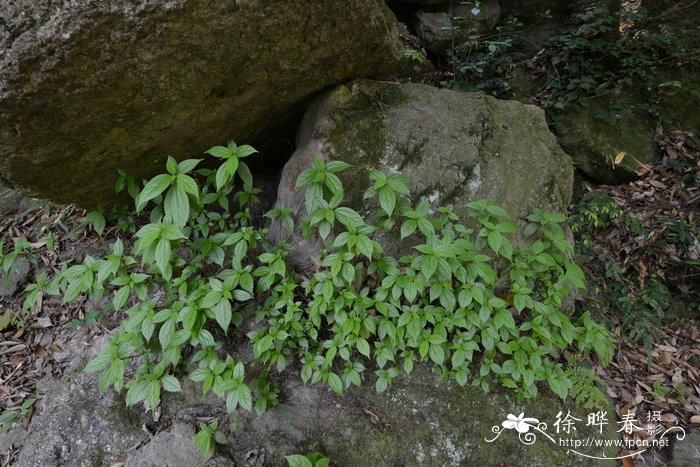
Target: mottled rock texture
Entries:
(455, 147)
(89, 86)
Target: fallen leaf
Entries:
(619, 157)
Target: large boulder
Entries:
(594, 135)
(89, 86)
(455, 147)
(419, 420)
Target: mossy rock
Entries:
(87, 88)
(419, 421)
(455, 148)
(594, 142)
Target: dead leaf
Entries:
(619, 157)
(44, 322)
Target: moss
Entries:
(426, 422)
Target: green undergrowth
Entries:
(599, 53)
(638, 305)
(466, 301)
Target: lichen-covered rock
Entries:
(593, 142)
(455, 147)
(89, 86)
(419, 421)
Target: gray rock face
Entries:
(174, 447)
(79, 426)
(418, 421)
(686, 452)
(455, 147)
(89, 86)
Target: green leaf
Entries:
(147, 328)
(121, 297)
(223, 314)
(222, 177)
(220, 152)
(334, 184)
(437, 354)
(188, 184)
(558, 385)
(349, 217)
(239, 372)
(203, 442)
(171, 165)
(335, 383)
(153, 394)
(575, 274)
(97, 220)
(495, 239)
(187, 165)
(387, 200)
(165, 335)
(425, 227)
(297, 460)
(363, 347)
(244, 397)
(408, 228)
(153, 188)
(244, 173)
(171, 384)
(244, 151)
(137, 393)
(177, 206)
(381, 385)
(163, 253)
(231, 167)
(99, 363)
(337, 166)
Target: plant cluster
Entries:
(638, 305)
(466, 300)
(594, 58)
(586, 388)
(482, 63)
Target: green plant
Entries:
(643, 312)
(586, 387)
(595, 57)
(415, 55)
(465, 300)
(658, 390)
(208, 437)
(9, 263)
(593, 212)
(482, 63)
(9, 417)
(315, 459)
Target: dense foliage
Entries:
(467, 300)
